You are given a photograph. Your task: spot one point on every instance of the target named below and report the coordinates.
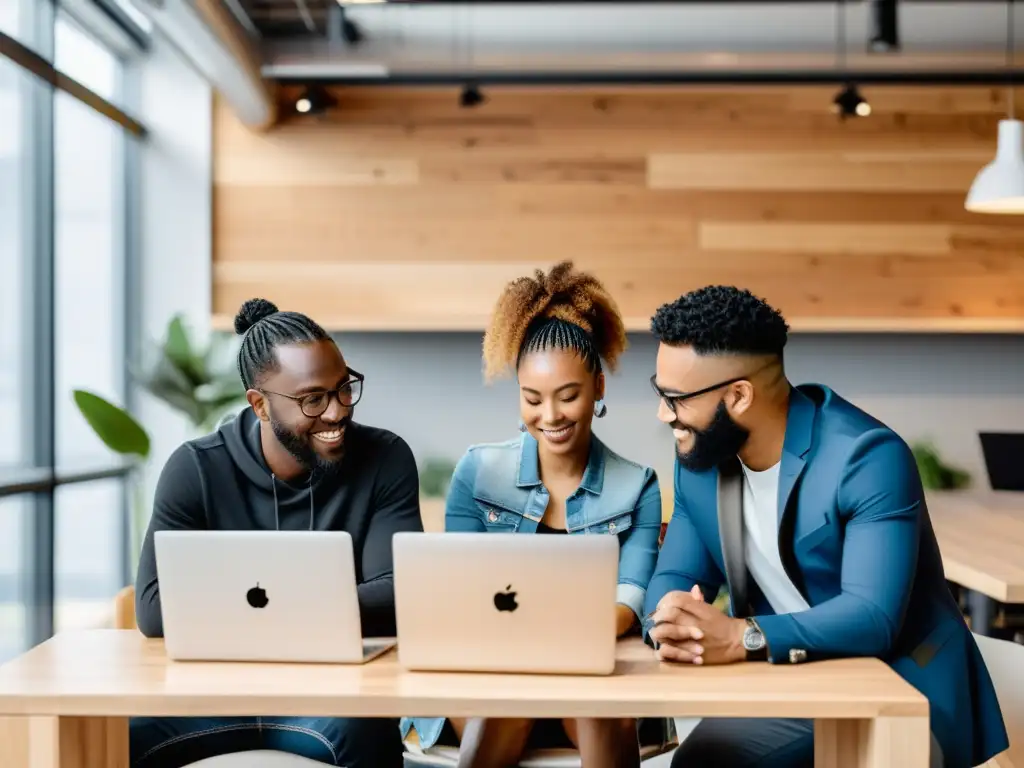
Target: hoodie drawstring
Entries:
(277, 515)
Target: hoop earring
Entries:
(600, 409)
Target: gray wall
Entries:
(429, 389)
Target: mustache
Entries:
(341, 423)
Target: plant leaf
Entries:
(182, 353)
(177, 346)
(114, 426)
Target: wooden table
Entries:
(981, 537)
(71, 696)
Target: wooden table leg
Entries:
(64, 742)
(885, 742)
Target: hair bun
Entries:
(251, 313)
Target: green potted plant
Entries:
(936, 475)
(435, 475)
(120, 432)
(201, 383)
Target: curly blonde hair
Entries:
(563, 309)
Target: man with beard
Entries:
(294, 460)
(811, 513)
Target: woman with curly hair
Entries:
(557, 331)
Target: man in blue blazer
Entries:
(812, 514)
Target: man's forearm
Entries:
(841, 627)
(377, 607)
(148, 614)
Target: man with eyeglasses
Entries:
(810, 512)
(293, 460)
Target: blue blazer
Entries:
(857, 541)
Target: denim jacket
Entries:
(497, 487)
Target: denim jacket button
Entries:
(611, 526)
(493, 516)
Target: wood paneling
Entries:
(402, 211)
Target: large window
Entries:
(14, 570)
(88, 175)
(89, 333)
(16, 20)
(17, 91)
(16, 185)
(88, 554)
(64, 193)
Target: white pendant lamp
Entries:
(999, 186)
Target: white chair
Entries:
(1005, 662)
(258, 758)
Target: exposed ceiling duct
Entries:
(520, 42)
(221, 50)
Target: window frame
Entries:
(33, 51)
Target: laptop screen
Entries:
(1004, 459)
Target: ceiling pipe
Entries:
(211, 38)
(755, 77)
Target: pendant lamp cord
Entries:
(1010, 38)
(841, 35)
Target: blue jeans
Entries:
(172, 742)
(748, 742)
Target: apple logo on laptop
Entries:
(505, 601)
(257, 597)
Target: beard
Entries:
(300, 448)
(720, 440)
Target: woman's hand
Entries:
(625, 619)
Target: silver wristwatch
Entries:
(754, 642)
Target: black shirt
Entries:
(222, 482)
(541, 528)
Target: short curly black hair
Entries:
(721, 319)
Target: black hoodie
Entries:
(221, 482)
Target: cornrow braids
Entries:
(555, 333)
(263, 328)
(561, 309)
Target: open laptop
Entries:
(1004, 459)
(497, 602)
(261, 596)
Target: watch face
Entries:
(753, 640)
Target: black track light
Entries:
(349, 30)
(849, 103)
(471, 96)
(885, 32)
(314, 100)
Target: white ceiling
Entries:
(566, 36)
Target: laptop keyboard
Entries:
(371, 647)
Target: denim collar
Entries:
(529, 464)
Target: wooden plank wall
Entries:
(401, 210)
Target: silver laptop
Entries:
(261, 596)
(498, 602)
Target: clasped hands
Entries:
(690, 630)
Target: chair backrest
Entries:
(1005, 662)
(124, 609)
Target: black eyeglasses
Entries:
(672, 400)
(313, 404)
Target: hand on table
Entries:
(691, 631)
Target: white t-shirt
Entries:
(761, 542)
